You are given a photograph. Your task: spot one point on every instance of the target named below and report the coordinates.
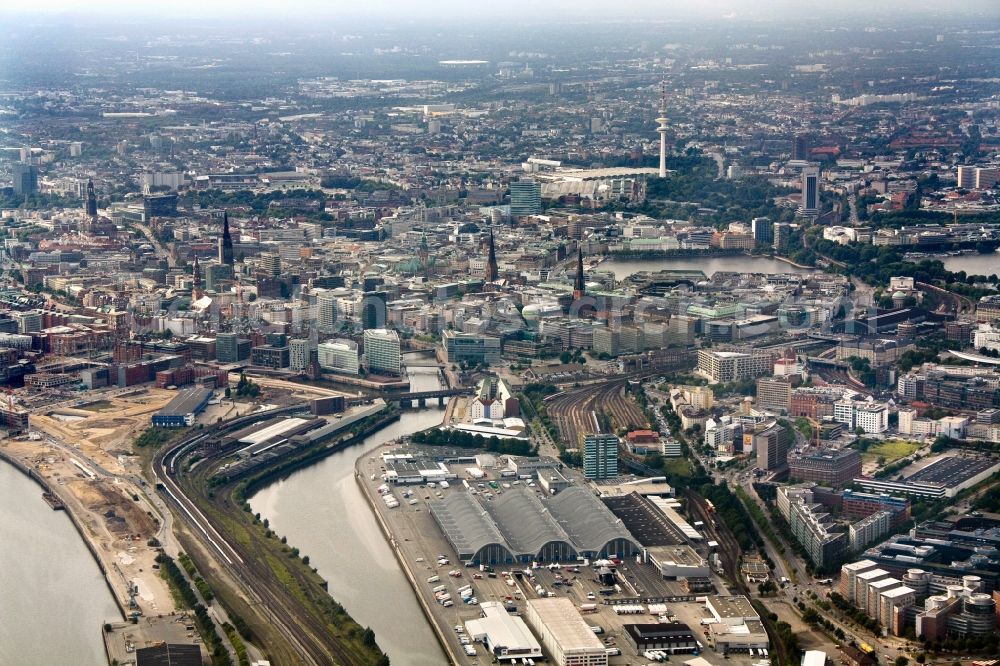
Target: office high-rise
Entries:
(227, 347)
(298, 354)
(326, 312)
(382, 351)
(810, 191)
(600, 456)
(525, 198)
(374, 312)
(763, 230)
(800, 147)
(781, 235)
(25, 179)
(771, 443)
(967, 177)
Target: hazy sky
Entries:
(574, 9)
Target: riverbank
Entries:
(439, 631)
(55, 599)
(321, 510)
(116, 594)
(792, 263)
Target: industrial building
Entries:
(519, 527)
(737, 626)
(944, 477)
(169, 654)
(678, 562)
(181, 411)
(672, 637)
(567, 638)
(504, 635)
(276, 432)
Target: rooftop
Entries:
(732, 608)
(502, 629)
(566, 625)
(186, 401)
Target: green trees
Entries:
(466, 440)
(246, 387)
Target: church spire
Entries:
(579, 287)
(492, 272)
(226, 242)
(196, 279)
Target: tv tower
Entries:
(662, 129)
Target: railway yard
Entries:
(573, 411)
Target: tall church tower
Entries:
(491, 273)
(579, 286)
(91, 204)
(196, 280)
(226, 243)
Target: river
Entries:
(740, 263)
(323, 513)
(53, 599)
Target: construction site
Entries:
(87, 456)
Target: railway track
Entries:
(308, 636)
(574, 411)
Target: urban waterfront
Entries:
(54, 598)
(973, 264)
(323, 513)
(622, 268)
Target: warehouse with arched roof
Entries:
(519, 526)
(470, 530)
(592, 528)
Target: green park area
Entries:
(889, 451)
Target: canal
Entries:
(53, 599)
(323, 513)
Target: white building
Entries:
(567, 638)
(986, 336)
(505, 635)
(382, 351)
(871, 417)
(339, 356)
(720, 434)
(494, 401)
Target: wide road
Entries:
(307, 637)
(161, 251)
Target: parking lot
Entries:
(421, 544)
